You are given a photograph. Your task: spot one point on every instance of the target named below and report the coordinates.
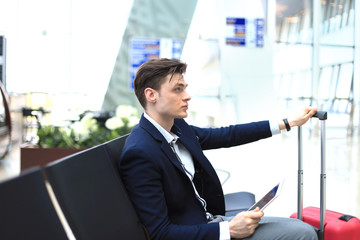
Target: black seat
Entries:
(26, 210)
(114, 149)
(92, 196)
(238, 202)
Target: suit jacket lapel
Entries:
(192, 145)
(201, 163)
(165, 146)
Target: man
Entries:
(173, 186)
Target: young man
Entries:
(171, 183)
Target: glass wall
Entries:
(314, 55)
(293, 51)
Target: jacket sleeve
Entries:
(234, 135)
(143, 180)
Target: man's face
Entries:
(172, 101)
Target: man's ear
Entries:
(151, 95)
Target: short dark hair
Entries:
(152, 74)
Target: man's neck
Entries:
(165, 123)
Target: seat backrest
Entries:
(92, 196)
(26, 209)
(114, 149)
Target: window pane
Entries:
(338, 22)
(293, 21)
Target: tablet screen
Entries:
(267, 199)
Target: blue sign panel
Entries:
(144, 49)
(245, 32)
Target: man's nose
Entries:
(187, 97)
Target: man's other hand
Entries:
(244, 224)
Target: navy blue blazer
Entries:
(162, 193)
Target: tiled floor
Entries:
(256, 167)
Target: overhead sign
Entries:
(247, 32)
(145, 49)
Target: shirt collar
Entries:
(169, 137)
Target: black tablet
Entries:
(268, 198)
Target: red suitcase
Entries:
(331, 225)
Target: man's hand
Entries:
(300, 118)
(244, 224)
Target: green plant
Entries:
(87, 132)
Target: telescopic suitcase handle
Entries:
(321, 115)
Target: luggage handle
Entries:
(322, 116)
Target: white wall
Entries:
(62, 46)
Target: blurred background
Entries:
(247, 61)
